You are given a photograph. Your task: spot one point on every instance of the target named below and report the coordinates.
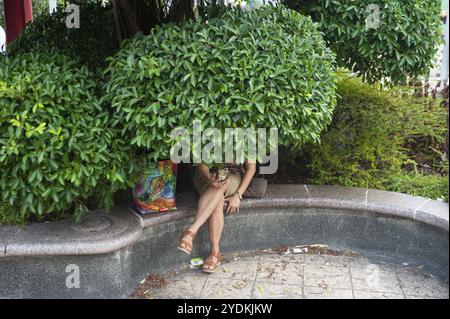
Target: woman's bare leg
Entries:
(215, 227)
(210, 199)
(207, 204)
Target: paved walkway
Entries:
(299, 276)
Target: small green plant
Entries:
(424, 133)
(259, 68)
(392, 39)
(430, 186)
(57, 148)
(6, 214)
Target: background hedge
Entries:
(90, 44)
(403, 45)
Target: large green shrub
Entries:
(403, 45)
(56, 145)
(381, 139)
(259, 68)
(362, 146)
(91, 43)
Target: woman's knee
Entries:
(218, 191)
(220, 196)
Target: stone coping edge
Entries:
(100, 232)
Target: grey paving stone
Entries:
(325, 260)
(360, 262)
(367, 294)
(297, 276)
(414, 283)
(290, 258)
(327, 293)
(188, 286)
(282, 269)
(239, 268)
(218, 288)
(376, 278)
(423, 297)
(269, 290)
(327, 277)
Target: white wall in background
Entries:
(250, 3)
(2, 40)
(52, 6)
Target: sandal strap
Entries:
(187, 244)
(188, 233)
(184, 242)
(209, 261)
(215, 254)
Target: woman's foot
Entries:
(186, 241)
(212, 262)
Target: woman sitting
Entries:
(214, 192)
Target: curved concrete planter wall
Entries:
(114, 251)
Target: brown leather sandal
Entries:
(212, 265)
(184, 245)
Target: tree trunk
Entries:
(132, 16)
(126, 19)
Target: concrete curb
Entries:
(422, 209)
(102, 232)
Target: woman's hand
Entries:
(214, 181)
(233, 203)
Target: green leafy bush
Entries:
(56, 145)
(91, 43)
(372, 142)
(259, 68)
(404, 43)
(362, 146)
